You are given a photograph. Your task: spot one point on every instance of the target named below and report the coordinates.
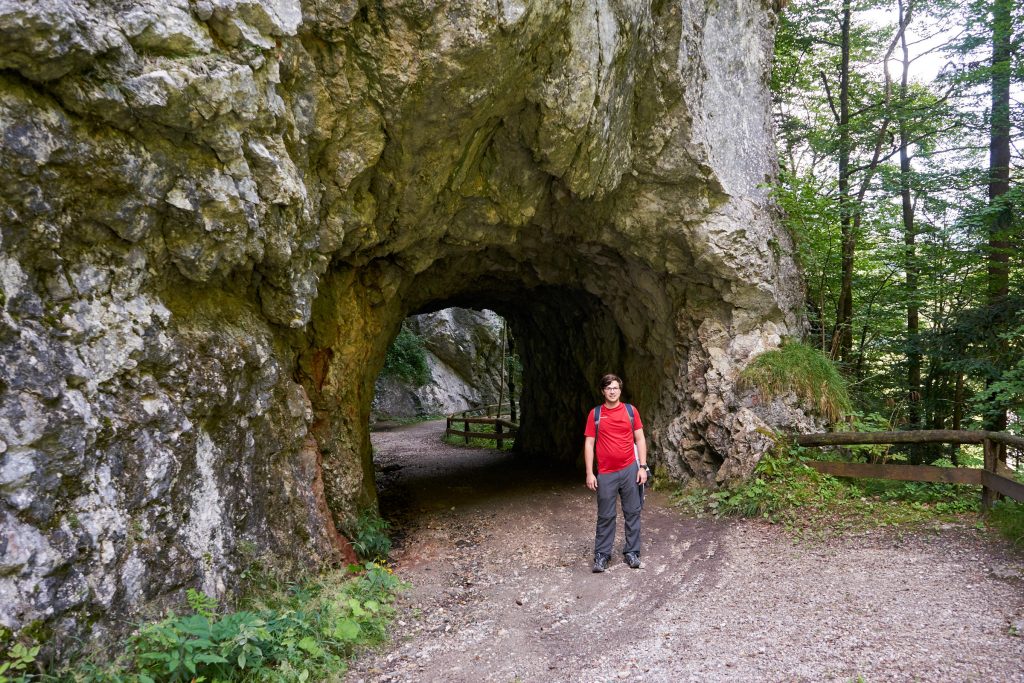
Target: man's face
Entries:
(611, 392)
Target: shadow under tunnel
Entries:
(418, 475)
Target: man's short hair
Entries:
(608, 379)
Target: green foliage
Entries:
(959, 363)
(805, 371)
(303, 634)
(1006, 388)
(455, 440)
(371, 539)
(406, 358)
(780, 484)
(1007, 516)
(14, 667)
(783, 489)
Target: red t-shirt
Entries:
(614, 447)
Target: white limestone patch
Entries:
(109, 332)
(165, 26)
(16, 470)
(204, 533)
(25, 548)
(12, 278)
(24, 422)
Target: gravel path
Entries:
(498, 552)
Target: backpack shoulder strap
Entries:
(597, 421)
(632, 416)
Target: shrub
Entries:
(371, 540)
(300, 635)
(407, 358)
(780, 483)
(805, 371)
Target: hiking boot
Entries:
(600, 563)
(633, 560)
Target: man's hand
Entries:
(588, 462)
(641, 475)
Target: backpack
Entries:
(597, 419)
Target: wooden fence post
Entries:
(497, 428)
(989, 496)
(448, 426)
(467, 432)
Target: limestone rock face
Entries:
(463, 352)
(215, 214)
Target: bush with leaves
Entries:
(301, 635)
(407, 358)
(14, 667)
(371, 541)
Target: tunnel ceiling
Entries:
(216, 214)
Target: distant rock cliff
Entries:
(463, 355)
(215, 214)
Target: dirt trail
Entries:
(499, 551)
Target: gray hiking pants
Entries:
(621, 484)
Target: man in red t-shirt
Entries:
(621, 471)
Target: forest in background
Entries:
(903, 194)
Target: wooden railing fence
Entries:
(490, 415)
(994, 477)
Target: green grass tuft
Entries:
(805, 371)
(1007, 517)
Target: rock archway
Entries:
(216, 213)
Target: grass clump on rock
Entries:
(803, 370)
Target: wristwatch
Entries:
(645, 467)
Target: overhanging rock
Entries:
(215, 215)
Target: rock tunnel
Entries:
(217, 213)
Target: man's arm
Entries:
(641, 454)
(588, 462)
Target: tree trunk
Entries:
(910, 251)
(842, 338)
(999, 237)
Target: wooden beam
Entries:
(1007, 487)
(915, 436)
(485, 420)
(948, 475)
(480, 435)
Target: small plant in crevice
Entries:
(370, 540)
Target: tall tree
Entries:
(909, 232)
(1000, 216)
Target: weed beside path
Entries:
(498, 552)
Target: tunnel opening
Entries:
(566, 337)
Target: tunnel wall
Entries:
(214, 215)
